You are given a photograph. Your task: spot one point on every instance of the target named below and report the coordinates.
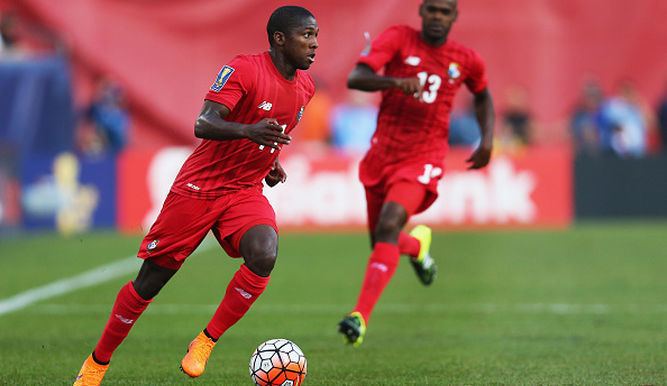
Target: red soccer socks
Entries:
(408, 245)
(381, 267)
(127, 308)
(242, 291)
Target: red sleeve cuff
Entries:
(217, 98)
(370, 63)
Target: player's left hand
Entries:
(480, 157)
(276, 175)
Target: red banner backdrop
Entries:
(533, 188)
(167, 52)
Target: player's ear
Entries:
(279, 38)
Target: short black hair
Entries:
(285, 19)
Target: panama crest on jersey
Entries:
(222, 78)
(152, 245)
(454, 72)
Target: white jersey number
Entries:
(273, 149)
(430, 172)
(431, 89)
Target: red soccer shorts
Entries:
(413, 186)
(184, 222)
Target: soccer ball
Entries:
(278, 362)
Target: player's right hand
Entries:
(409, 86)
(267, 132)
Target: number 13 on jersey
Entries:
(430, 84)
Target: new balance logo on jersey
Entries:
(413, 60)
(265, 106)
(243, 293)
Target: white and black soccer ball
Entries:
(278, 362)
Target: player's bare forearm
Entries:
(486, 117)
(211, 124)
(364, 78)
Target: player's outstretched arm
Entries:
(211, 124)
(486, 118)
(364, 78)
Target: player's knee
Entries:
(151, 279)
(262, 260)
(387, 229)
(259, 247)
(149, 286)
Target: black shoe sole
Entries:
(350, 330)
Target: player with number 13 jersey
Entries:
(423, 70)
(414, 128)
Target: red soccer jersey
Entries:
(253, 89)
(417, 128)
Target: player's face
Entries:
(437, 18)
(301, 43)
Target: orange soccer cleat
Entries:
(91, 373)
(194, 362)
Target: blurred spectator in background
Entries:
(353, 122)
(624, 125)
(517, 127)
(661, 113)
(585, 119)
(20, 37)
(106, 120)
(314, 130)
(463, 127)
(8, 38)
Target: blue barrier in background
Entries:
(36, 108)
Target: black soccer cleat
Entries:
(353, 328)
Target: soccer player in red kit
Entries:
(423, 70)
(255, 101)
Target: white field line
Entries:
(90, 278)
(319, 309)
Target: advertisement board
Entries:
(531, 188)
(68, 193)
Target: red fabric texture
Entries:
(408, 245)
(412, 196)
(242, 291)
(125, 312)
(381, 267)
(415, 185)
(184, 222)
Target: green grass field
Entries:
(582, 306)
